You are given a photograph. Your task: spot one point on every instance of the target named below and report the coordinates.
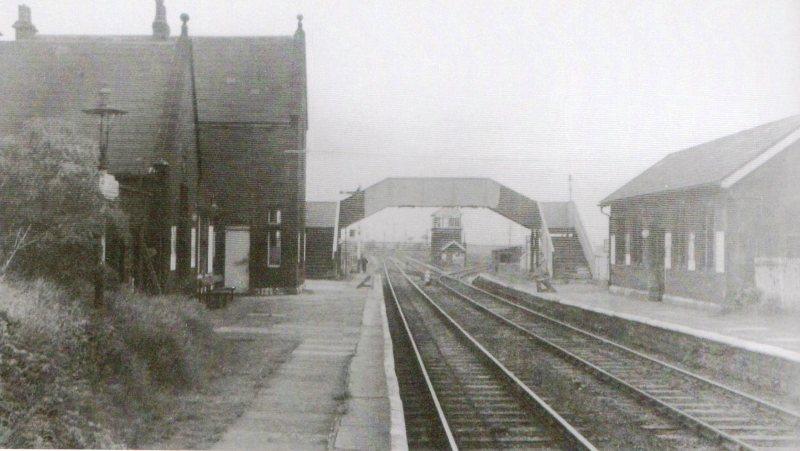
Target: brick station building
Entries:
(210, 155)
(713, 221)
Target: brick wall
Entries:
(247, 172)
(686, 215)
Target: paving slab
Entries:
(366, 423)
(332, 390)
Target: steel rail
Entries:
(719, 385)
(439, 412)
(684, 417)
(571, 434)
(764, 404)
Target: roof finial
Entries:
(300, 35)
(184, 26)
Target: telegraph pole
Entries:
(570, 187)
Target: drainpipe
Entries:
(608, 252)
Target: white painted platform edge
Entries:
(397, 429)
(760, 348)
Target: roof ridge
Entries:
(726, 155)
(767, 148)
(731, 135)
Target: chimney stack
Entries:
(160, 25)
(24, 26)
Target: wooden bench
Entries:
(212, 293)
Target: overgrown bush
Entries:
(70, 377)
(52, 212)
(46, 400)
(169, 333)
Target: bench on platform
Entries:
(212, 293)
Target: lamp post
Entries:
(106, 114)
(108, 185)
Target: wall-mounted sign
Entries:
(109, 186)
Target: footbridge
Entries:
(455, 192)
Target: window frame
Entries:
(274, 217)
(277, 234)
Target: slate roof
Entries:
(321, 214)
(60, 76)
(247, 79)
(243, 80)
(454, 243)
(447, 212)
(707, 164)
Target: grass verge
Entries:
(72, 378)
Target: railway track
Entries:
(732, 418)
(477, 402)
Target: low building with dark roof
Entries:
(715, 222)
(210, 154)
(320, 246)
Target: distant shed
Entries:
(320, 239)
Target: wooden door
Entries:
(237, 258)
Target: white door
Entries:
(237, 258)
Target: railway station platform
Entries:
(773, 334)
(337, 388)
(749, 348)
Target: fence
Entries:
(779, 280)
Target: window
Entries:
(193, 248)
(690, 252)
(627, 249)
(211, 244)
(454, 222)
(274, 217)
(437, 223)
(612, 249)
(103, 248)
(274, 248)
(173, 242)
(352, 233)
(719, 251)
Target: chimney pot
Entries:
(24, 25)
(160, 25)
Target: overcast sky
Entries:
(525, 92)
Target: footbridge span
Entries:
(454, 192)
